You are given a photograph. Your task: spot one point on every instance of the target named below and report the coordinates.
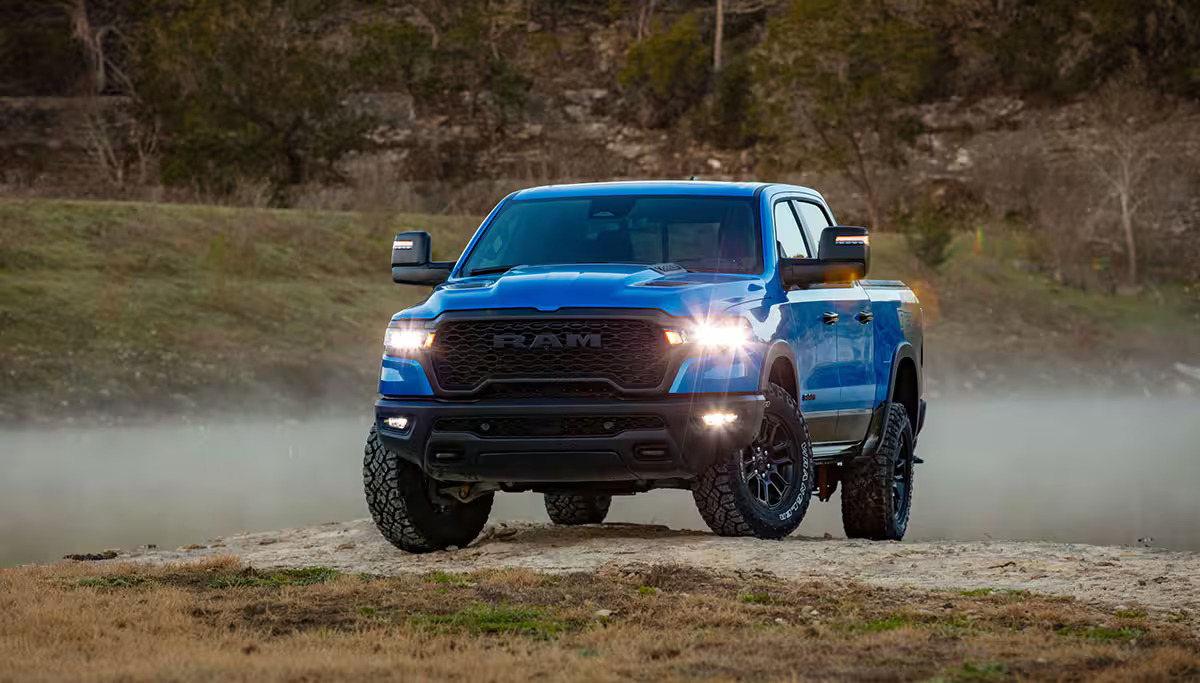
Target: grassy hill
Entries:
(110, 309)
(114, 307)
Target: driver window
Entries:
(814, 219)
(787, 232)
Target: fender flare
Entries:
(904, 350)
(778, 349)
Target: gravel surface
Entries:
(1158, 580)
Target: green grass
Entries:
(755, 598)
(478, 619)
(446, 579)
(972, 671)
(1004, 594)
(879, 625)
(282, 577)
(647, 590)
(1102, 634)
(117, 581)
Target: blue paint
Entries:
(841, 367)
(549, 288)
(403, 377)
(721, 373)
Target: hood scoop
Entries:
(668, 268)
(667, 283)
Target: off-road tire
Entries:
(399, 499)
(724, 498)
(870, 508)
(569, 509)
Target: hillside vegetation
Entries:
(1076, 118)
(121, 309)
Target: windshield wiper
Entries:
(492, 270)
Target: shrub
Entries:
(668, 74)
(929, 230)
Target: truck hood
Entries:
(550, 288)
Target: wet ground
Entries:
(1072, 469)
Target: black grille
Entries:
(537, 390)
(632, 353)
(512, 427)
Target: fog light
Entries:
(719, 419)
(399, 423)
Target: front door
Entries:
(806, 325)
(855, 338)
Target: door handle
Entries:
(830, 318)
(865, 317)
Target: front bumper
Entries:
(679, 447)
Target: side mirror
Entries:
(844, 256)
(851, 246)
(412, 261)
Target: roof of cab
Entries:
(708, 188)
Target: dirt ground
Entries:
(1165, 582)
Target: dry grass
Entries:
(218, 620)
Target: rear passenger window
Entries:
(787, 232)
(814, 219)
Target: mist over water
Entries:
(1075, 469)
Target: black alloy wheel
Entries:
(769, 463)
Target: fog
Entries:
(1075, 469)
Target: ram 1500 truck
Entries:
(611, 338)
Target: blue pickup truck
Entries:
(610, 338)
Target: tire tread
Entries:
(867, 484)
(719, 492)
(572, 509)
(398, 500)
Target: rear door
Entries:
(813, 341)
(855, 338)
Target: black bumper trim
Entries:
(681, 449)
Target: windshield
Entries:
(698, 233)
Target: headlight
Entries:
(399, 341)
(732, 333)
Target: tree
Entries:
(1125, 143)
(719, 36)
(836, 80)
(245, 90)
